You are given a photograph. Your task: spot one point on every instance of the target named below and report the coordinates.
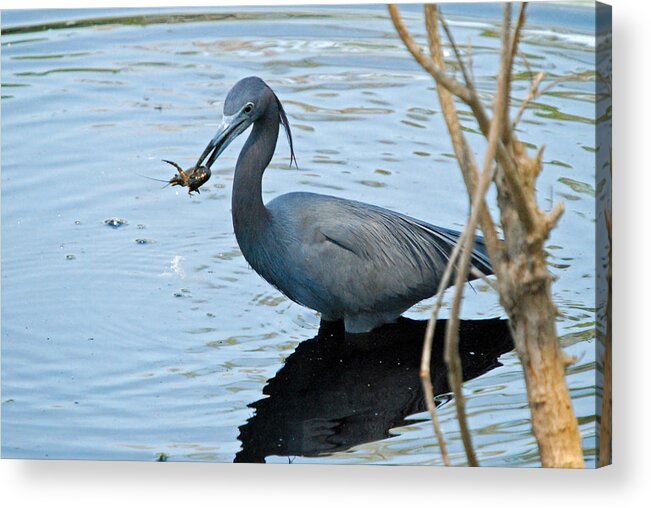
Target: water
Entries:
(132, 328)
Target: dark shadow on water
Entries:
(337, 391)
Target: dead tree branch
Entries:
(507, 165)
(448, 33)
(426, 62)
(496, 131)
(523, 281)
(533, 94)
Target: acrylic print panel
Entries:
(134, 328)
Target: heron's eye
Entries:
(249, 107)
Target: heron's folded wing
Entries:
(377, 233)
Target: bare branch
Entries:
(461, 147)
(509, 45)
(523, 280)
(535, 91)
(555, 215)
(425, 374)
(522, 17)
(497, 130)
(469, 170)
(527, 65)
(533, 94)
(562, 79)
(466, 76)
(426, 62)
(481, 275)
(470, 62)
(452, 358)
(472, 100)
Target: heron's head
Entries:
(247, 101)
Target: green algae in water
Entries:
(576, 186)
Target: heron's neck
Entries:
(250, 216)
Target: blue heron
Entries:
(348, 260)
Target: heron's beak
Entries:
(229, 129)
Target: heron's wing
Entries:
(375, 233)
(479, 258)
(373, 258)
(346, 257)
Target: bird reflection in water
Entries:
(339, 390)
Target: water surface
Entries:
(154, 339)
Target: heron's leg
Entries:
(362, 323)
(331, 326)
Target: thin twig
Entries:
(425, 373)
(461, 147)
(497, 130)
(481, 275)
(426, 62)
(522, 17)
(470, 62)
(514, 43)
(571, 77)
(468, 165)
(466, 244)
(530, 308)
(533, 94)
(536, 91)
(457, 54)
(507, 164)
(510, 44)
(525, 60)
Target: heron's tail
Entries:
(479, 259)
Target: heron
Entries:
(350, 261)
